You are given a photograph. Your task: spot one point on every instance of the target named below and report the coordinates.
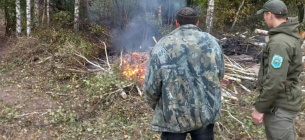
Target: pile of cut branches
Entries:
(236, 76)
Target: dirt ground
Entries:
(14, 93)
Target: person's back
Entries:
(182, 82)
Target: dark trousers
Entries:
(205, 133)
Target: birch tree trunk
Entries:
(76, 15)
(28, 17)
(209, 19)
(237, 13)
(18, 19)
(36, 20)
(48, 12)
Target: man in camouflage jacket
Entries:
(182, 81)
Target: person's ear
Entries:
(177, 24)
(197, 24)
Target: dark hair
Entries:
(280, 16)
(187, 15)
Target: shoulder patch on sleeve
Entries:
(277, 61)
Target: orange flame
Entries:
(134, 71)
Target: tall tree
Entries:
(209, 18)
(36, 19)
(160, 13)
(28, 17)
(237, 13)
(48, 12)
(43, 12)
(9, 15)
(18, 19)
(76, 15)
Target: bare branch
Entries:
(237, 121)
(107, 55)
(96, 65)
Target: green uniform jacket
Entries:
(182, 80)
(281, 65)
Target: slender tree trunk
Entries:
(160, 13)
(48, 12)
(44, 12)
(28, 17)
(6, 16)
(18, 19)
(8, 20)
(209, 19)
(237, 13)
(36, 20)
(76, 15)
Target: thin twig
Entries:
(139, 91)
(227, 94)
(235, 63)
(106, 55)
(246, 89)
(118, 90)
(235, 90)
(226, 77)
(155, 39)
(121, 58)
(81, 64)
(242, 77)
(238, 122)
(101, 60)
(219, 123)
(96, 65)
(228, 59)
(27, 114)
(243, 72)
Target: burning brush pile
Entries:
(237, 78)
(133, 65)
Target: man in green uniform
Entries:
(182, 81)
(279, 84)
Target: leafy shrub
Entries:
(62, 18)
(106, 86)
(96, 29)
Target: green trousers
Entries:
(279, 124)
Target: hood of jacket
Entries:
(290, 27)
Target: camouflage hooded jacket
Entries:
(182, 80)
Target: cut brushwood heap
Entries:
(234, 79)
(134, 66)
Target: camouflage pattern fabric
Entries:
(182, 80)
